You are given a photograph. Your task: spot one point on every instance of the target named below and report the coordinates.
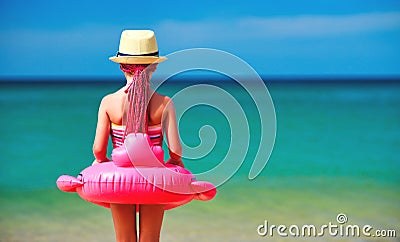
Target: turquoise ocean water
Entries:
(336, 151)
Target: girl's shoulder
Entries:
(168, 104)
(160, 99)
(111, 99)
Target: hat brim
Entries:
(137, 59)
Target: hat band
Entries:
(148, 54)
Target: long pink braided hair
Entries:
(138, 97)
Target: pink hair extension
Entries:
(136, 119)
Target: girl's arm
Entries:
(102, 132)
(172, 134)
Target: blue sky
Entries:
(46, 38)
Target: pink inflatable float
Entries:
(137, 175)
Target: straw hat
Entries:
(137, 47)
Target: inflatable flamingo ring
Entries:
(137, 175)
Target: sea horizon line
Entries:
(283, 79)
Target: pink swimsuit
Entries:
(117, 134)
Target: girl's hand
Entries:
(176, 162)
(96, 161)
